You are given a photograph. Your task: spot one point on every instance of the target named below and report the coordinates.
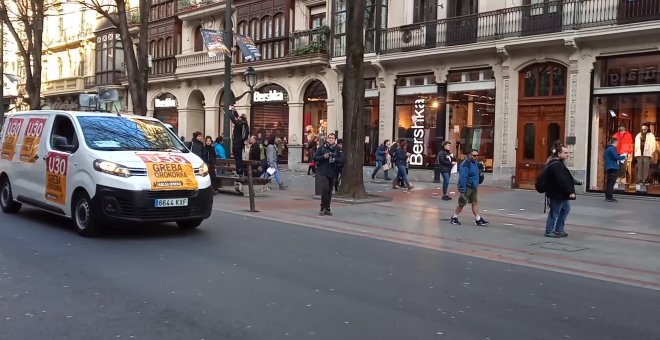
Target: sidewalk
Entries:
(617, 242)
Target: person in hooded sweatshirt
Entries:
(612, 159)
(196, 145)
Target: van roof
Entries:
(76, 113)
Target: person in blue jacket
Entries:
(468, 183)
(612, 159)
(381, 158)
(219, 149)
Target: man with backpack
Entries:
(469, 178)
(556, 181)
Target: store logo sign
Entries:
(417, 157)
(167, 102)
(271, 96)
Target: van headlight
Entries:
(111, 168)
(203, 170)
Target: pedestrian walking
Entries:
(209, 156)
(196, 145)
(559, 190)
(241, 133)
(311, 150)
(326, 158)
(271, 157)
(339, 163)
(382, 155)
(400, 160)
(445, 162)
(219, 148)
(469, 178)
(612, 164)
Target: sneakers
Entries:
(328, 212)
(388, 179)
(481, 222)
(552, 235)
(455, 221)
(322, 212)
(446, 198)
(562, 234)
(612, 200)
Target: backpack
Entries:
(543, 180)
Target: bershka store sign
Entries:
(418, 119)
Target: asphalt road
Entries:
(246, 278)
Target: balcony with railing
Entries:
(198, 63)
(63, 86)
(308, 42)
(197, 9)
(528, 20)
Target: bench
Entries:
(228, 181)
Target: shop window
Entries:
(529, 136)
(315, 116)
(629, 71)
(371, 123)
(471, 75)
(406, 126)
(415, 80)
(472, 123)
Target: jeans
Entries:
(327, 184)
(379, 165)
(559, 210)
(275, 174)
(610, 180)
(401, 174)
(445, 182)
(237, 150)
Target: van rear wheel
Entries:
(192, 224)
(7, 203)
(84, 215)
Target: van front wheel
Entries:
(7, 203)
(84, 216)
(192, 224)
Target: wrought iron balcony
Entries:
(313, 41)
(528, 20)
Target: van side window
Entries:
(63, 136)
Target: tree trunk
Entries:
(37, 38)
(136, 66)
(352, 185)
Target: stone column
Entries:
(505, 122)
(386, 107)
(211, 121)
(335, 118)
(183, 124)
(295, 135)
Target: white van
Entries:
(100, 168)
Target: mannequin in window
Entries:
(645, 146)
(624, 146)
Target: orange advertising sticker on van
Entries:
(56, 169)
(31, 139)
(169, 172)
(11, 138)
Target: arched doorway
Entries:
(270, 116)
(541, 118)
(166, 110)
(196, 119)
(315, 115)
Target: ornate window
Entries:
(544, 80)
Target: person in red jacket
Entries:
(625, 146)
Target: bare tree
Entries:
(352, 93)
(25, 21)
(137, 65)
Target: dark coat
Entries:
(196, 147)
(208, 155)
(381, 152)
(239, 136)
(328, 167)
(255, 152)
(445, 161)
(560, 181)
(399, 156)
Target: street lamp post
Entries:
(251, 81)
(228, 94)
(2, 73)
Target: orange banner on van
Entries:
(169, 172)
(57, 165)
(32, 139)
(11, 138)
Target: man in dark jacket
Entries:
(469, 174)
(400, 160)
(240, 135)
(196, 145)
(444, 163)
(326, 158)
(560, 190)
(612, 159)
(381, 158)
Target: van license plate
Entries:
(171, 202)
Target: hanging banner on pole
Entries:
(214, 42)
(248, 47)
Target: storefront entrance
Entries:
(270, 117)
(165, 110)
(541, 119)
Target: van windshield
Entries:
(128, 134)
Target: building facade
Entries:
(509, 78)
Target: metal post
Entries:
(227, 93)
(251, 187)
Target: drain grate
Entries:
(559, 246)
